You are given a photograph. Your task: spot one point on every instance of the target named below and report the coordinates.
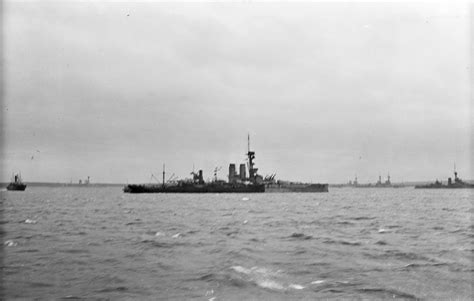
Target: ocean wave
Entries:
(296, 286)
(362, 218)
(221, 278)
(405, 255)
(71, 297)
(134, 223)
(209, 293)
(448, 209)
(421, 265)
(164, 244)
(332, 286)
(388, 293)
(113, 289)
(345, 223)
(318, 282)
(29, 251)
(266, 278)
(206, 277)
(74, 251)
(301, 236)
(40, 284)
(186, 267)
(158, 244)
(10, 243)
(270, 284)
(300, 251)
(255, 211)
(341, 242)
(240, 269)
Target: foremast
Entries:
(251, 157)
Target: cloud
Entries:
(123, 87)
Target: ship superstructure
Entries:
(241, 177)
(387, 182)
(16, 183)
(379, 184)
(457, 183)
(237, 182)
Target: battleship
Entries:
(286, 186)
(237, 182)
(458, 183)
(16, 183)
(385, 184)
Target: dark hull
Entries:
(209, 188)
(298, 188)
(16, 187)
(432, 186)
(374, 186)
(313, 188)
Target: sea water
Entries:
(370, 244)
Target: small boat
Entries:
(16, 183)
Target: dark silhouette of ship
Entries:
(238, 183)
(273, 185)
(16, 183)
(386, 184)
(287, 186)
(458, 183)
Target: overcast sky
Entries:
(326, 91)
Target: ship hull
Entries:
(456, 184)
(142, 188)
(16, 187)
(444, 187)
(298, 188)
(374, 186)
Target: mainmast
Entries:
(163, 174)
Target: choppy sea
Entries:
(355, 244)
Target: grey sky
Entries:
(326, 91)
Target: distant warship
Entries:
(16, 183)
(458, 183)
(285, 186)
(385, 184)
(379, 184)
(238, 183)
